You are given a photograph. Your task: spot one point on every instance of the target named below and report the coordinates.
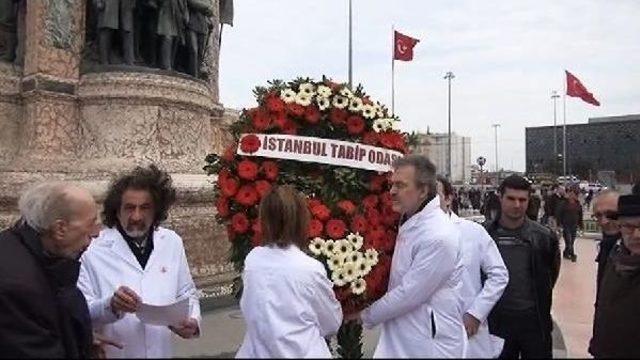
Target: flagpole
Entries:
(564, 136)
(350, 47)
(393, 49)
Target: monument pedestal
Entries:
(56, 123)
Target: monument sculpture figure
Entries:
(8, 28)
(173, 17)
(199, 28)
(113, 16)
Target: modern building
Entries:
(603, 145)
(435, 146)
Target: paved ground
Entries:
(223, 327)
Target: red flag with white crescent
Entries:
(403, 47)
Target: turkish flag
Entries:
(576, 89)
(403, 46)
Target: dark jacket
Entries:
(570, 213)
(43, 315)
(545, 264)
(551, 203)
(534, 207)
(604, 249)
(616, 325)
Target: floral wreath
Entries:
(353, 227)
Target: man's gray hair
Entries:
(41, 205)
(425, 170)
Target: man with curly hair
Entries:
(135, 260)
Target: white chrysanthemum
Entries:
(372, 256)
(346, 93)
(303, 99)
(337, 277)
(355, 257)
(378, 125)
(356, 240)
(323, 103)
(316, 246)
(363, 268)
(380, 114)
(307, 88)
(395, 125)
(358, 286)
(355, 104)
(335, 262)
(324, 91)
(329, 248)
(288, 96)
(349, 271)
(343, 247)
(368, 111)
(340, 102)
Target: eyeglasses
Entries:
(629, 228)
(607, 214)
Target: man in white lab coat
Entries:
(136, 261)
(484, 280)
(421, 313)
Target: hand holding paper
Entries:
(164, 315)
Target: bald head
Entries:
(605, 206)
(64, 214)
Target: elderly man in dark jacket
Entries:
(616, 327)
(44, 315)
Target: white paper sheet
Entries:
(165, 315)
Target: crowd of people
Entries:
(456, 289)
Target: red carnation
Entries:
(370, 138)
(222, 205)
(389, 241)
(312, 114)
(274, 103)
(247, 195)
(390, 217)
(224, 175)
(355, 124)
(313, 202)
(263, 187)
(290, 128)
(250, 144)
(240, 223)
(260, 119)
(321, 212)
(359, 224)
(375, 238)
(336, 228)
(270, 170)
(295, 109)
(400, 142)
(230, 152)
(280, 119)
(229, 187)
(386, 139)
(347, 206)
(370, 201)
(377, 183)
(315, 228)
(386, 200)
(256, 239)
(338, 116)
(373, 216)
(247, 170)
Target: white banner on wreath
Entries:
(324, 151)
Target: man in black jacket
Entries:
(44, 315)
(531, 253)
(616, 325)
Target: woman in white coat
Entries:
(484, 279)
(287, 302)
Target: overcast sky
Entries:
(507, 57)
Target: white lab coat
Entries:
(424, 288)
(109, 263)
(480, 255)
(288, 305)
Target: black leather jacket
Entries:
(545, 264)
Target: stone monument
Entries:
(66, 113)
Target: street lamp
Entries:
(495, 128)
(554, 97)
(449, 76)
